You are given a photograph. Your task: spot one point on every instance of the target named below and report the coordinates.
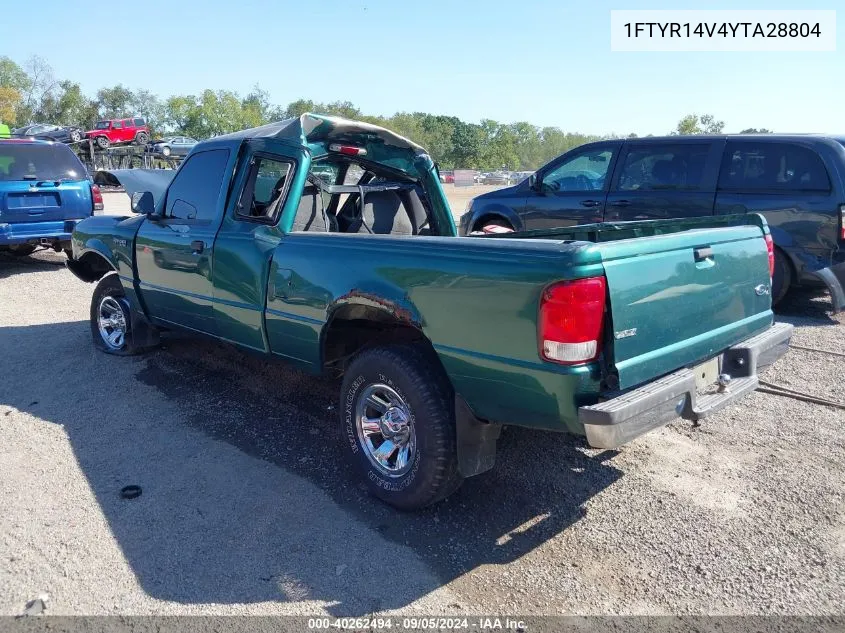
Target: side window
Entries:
(117, 125)
(140, 122)
(127, 123)
(664, 167)
(585, 171)
(265, 189)
(772, 166)
(194, 192)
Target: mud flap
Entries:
(834, 278)
(476, 440)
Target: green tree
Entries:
(754, 130)
(114, 102)
(695, 124)
(9, 101)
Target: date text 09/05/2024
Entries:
(725, 29)
(418, 623)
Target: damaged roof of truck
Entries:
(318, 131)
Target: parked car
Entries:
(496, 178)
(50, 132)
(44, 192)
(604, 331)
(172, 145)
(796, 181)
(447, 176)
(116, 131)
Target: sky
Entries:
(548, 63)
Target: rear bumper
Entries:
(37, 232)
(834, 278)
(622, 418)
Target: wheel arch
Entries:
(494, 211)
(92, 265)
(353, 327)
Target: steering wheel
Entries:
(584, 183)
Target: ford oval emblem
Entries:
(761, 289)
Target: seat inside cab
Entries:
(332, 201)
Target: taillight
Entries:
(97, 198)
(572, 320)
(349, 150)
(770, 247)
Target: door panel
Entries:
(249, 234)
(573, 190)
(664, 180)
(174, 254)
(174, 274)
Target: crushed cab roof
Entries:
(316, 128)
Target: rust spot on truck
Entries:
(359, 297)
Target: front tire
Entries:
(399, 426)
(75, 136)
(111, 325)
(141, 138)
(165, 151)
(102, 142)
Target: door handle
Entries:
(702, 253)
(197, 246)
(591, 203)
(620, 203)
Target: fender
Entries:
(493, 209)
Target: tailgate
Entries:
(678, 299)
(44, 202)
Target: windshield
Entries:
(102, 125)
(39, 162)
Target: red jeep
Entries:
(114, 131)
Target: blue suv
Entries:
(797, 181)
(44, 192)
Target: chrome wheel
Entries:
(112, 323)
(386, 430)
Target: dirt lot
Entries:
(247, 506)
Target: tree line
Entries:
(31, 93)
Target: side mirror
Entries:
(143, 202)
(534, 183)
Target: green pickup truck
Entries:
(330, 244)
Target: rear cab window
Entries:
(33, 161)
(140, 122)
(265, 190)
(764, 166)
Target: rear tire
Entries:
(75, 136)
(781, 278)
(102, 142)
(412, 410)
(165, 151)
(111, 324)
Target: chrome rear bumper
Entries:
(624, 416)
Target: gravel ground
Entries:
(247, 506)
